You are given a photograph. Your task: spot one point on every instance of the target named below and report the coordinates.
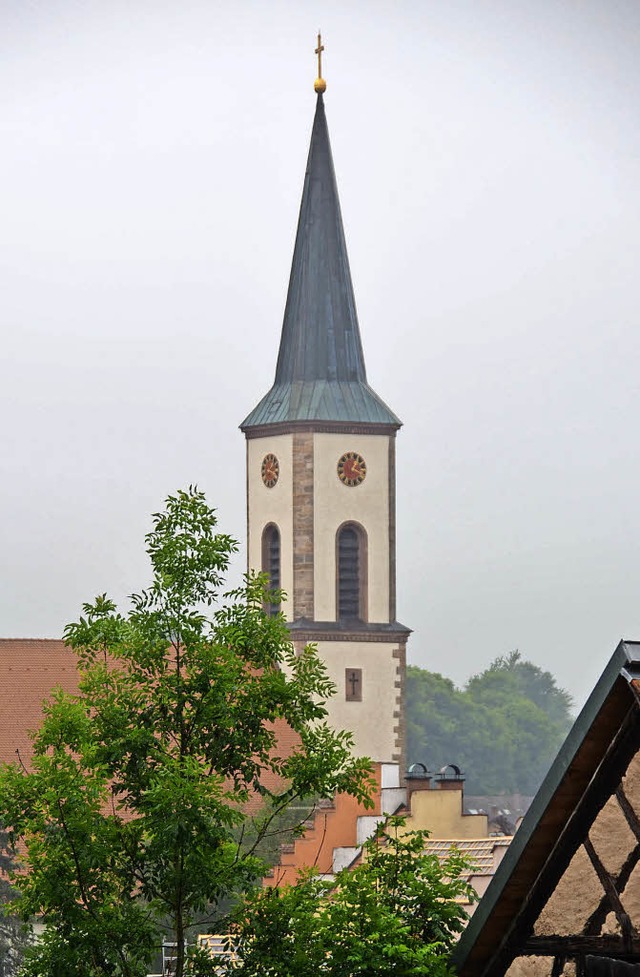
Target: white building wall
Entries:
(275, 505)
(371, 721)
(367, 504)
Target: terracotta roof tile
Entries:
(478, 850)
(29, 669)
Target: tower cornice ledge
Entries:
(313, 631)
(318, 427)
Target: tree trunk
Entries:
(179, 946)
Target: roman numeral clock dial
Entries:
(352, 469)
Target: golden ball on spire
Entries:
(319, 86)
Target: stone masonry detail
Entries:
(400, 729)
(392, 528)
(303, 525)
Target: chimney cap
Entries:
(456, 772)
(418, 771)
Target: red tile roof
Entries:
(29, 669)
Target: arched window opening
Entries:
(351, 573)
(271, 561)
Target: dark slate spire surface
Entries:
(320, 374)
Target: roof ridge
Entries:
(8, 640)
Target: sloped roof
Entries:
(29, 669)
(320, 374)
(321, 400)
(479, 851)
(586, 773)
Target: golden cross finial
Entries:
(318, 51)
(319, 84)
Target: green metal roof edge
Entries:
(276, 408)
(550, 784)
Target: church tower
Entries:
(321, 478)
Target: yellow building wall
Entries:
(440, 813)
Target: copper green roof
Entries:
(320, 374)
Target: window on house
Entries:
(351, 572)
(271, 561)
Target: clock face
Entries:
(270, 470)
(352, 469)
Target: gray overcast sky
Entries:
(488, 162)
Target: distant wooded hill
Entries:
(503, 729)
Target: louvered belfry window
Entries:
(349, 574)
(271, 561)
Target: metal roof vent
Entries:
(417, 778)
(450, 777)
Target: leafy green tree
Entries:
(513, 673)
(504, 728)
(394, 915)
(133, 816)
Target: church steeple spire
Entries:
(320, 334)
(321, 477)
(320, 374)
